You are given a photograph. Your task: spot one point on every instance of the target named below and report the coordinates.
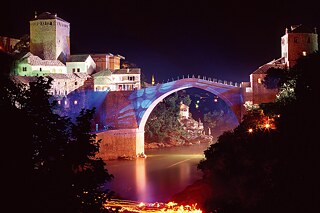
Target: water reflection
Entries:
(141, 179)
(159, 176)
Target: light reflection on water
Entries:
(158, 177)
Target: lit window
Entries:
(59, 102)
(304, 53)
(259, 81)
(75, 102)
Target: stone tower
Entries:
(50, 37)
(298, 41)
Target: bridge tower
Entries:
(50, 37)
(298, 41)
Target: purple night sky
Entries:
(227, 40)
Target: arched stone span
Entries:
(146, 99)
(125, 113)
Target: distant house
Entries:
(81, 64)
(184, 111)
(118, 80)
(126, 79)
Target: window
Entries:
(24, 68)
(259, 81)
(73, 70)
(75, 83)
(40, 69)
(304, 53)
(78, 69)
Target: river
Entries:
(158, 177)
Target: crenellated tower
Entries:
(50, 37)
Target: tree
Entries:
(271, 169)
(163, 124)
(55, 156)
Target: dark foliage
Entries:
(275, 169)
(163, 124)
(48, 162)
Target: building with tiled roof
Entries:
(32, 65)
(81, 64)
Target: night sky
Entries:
(226, 40)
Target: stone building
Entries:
(298, 41)
(50, 37)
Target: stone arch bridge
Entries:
(122, 115)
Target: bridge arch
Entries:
(145, 100)
(127, 113)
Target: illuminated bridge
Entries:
(122, 115)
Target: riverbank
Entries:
(205, 139)
(198, 193)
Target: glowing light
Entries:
(304, 53)
(215, 100)
(250, 130)
(132, 206)
(259, 81)
(267, 125)
(75, 102)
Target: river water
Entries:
(158, 177)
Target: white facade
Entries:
(81, 64)
(31, 65)
(118, 80)
(126, 79)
